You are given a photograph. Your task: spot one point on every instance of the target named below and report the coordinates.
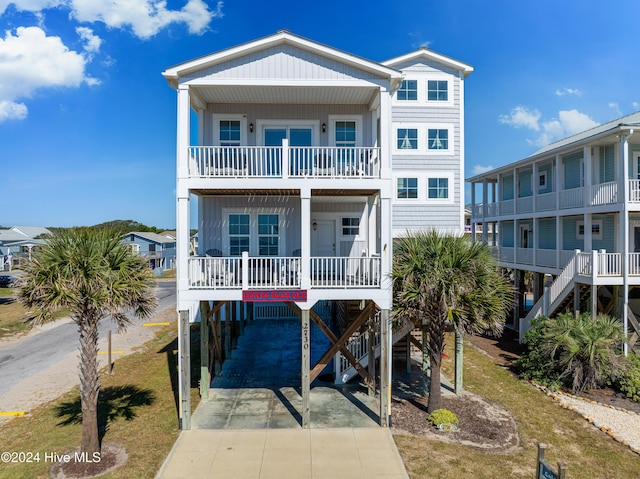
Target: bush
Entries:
(630, 382)
(442, 416)
(534, 365)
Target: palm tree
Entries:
(586, 349)
(442, 281)
(93, 275)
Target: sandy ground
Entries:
(62, 376)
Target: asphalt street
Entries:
(27, 356)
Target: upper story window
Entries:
(407, 139)
(438, 90)
(407, 188)
(350, 226)
(438, 139)
(229, 133)
(268, 236)
(345, 134)
(408, 90)
(438, 188)
(238, 234)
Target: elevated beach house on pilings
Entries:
(308, 160)
(570, 211)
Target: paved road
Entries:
(25, 357)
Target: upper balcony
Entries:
(284, 162)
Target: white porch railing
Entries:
(477, 211)
(506, 254)
(281, 161)
(609, 264)
(634, 264)
(546, 257)
(492, 209)
(565, 257)
(344, 272)
(546, 201)
(604, 193)
(525, 204)
(507, 207)
(524, 255)
(214, 273)
(634, 191)
(571, 198)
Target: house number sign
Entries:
(276, 295)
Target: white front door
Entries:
(323, 238)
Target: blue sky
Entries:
(87, 123)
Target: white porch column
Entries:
(624, 222)
(385, 133)
(305, 238)
(184, 370)
(559, 242)
(588, 234)
(305, 368)
(588, 175)
(485, 199)
(385, 367)
(372, 206)
(558, 183)
(473, 212)
(535, 185)
(182, 193)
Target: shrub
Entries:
(534, 364)
(630, 382)
(442, 416)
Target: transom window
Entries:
(230, 133)
(350, 226)
(437, 90)
(407, 139)
(408, 90)
(268, 235)
(438, 139)
(407, 188)
(438, 188)
(238, 234)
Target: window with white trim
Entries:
(268, 235)
(438, 188)
(438, 139)
(345, 134)
(408, 90)
(407, 138)
(229, 132)
(542, 180)
(350, 226)
(238, 234)
(407, 188)
(596, 229)
(437, 90)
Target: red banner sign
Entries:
(273, 296)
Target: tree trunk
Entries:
(89, 385)
(435, 388)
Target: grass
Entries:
(12, 315)
(138, 411)
(588, 451)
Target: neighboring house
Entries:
(479, 228)
(169, 234)
(158, 250)
(571, 211)
(308, 161)
(18, 242)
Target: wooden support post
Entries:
(576, 299)
(205, 378)
(594, 301)
(234, 324)
(306, 365)
(218, 340)
(184, 370)
(425, 361)
(385, 386)
(242, 317)
(458, 363)
(408, 353)
(227, 330)
(371, 365)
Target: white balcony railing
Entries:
(284, 161)
(634, 191)
(524, 255)
(634, 264)
(282, 272)
(546, 201)
(571, 198)
(492, 209)
(507, 207)
(546, 257)
(604, 193)
(525, 204)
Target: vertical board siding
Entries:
(506, 233)
(572, 171)
(547, 233)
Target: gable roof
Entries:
(174, 73)
(433, 56)
(154, 237)
(10, 235)
(31, 231)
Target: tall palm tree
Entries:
(93, 275)
(442, 281)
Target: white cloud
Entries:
(91, 42)
(10, 110)
(31, 60)
(34, 6)
(635, 105)
(520, 117)
(568, 91)
(479, 169)
(145, 17)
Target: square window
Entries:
(346, 133)
(438, 139)
(408, 90)
(230, 133)
(596, 230)
(407, 139)
(438, 188)
(350, 226)
(407, 188)
(437, 90)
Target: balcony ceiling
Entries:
(286, 94)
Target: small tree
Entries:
(442, 281)
(93, 275)
(587, 350)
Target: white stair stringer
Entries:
(359, 347)
(558, 291)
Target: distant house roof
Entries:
(32, 231)
(10, 236)
(170, 234)
(154, 237)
